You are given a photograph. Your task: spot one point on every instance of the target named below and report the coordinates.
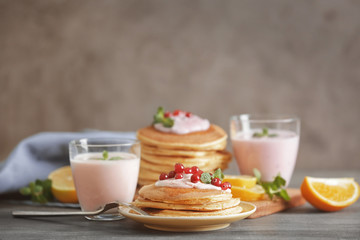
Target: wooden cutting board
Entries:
(267, 207)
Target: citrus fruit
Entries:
(330, 194)
(244, 181)
(62, 186)
(252, 194)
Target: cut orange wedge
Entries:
(330, 194)
(62, 186)
(244, 181)
(253, 194)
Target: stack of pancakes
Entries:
(160, 151)
(189, 202)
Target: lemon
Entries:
(62, 185)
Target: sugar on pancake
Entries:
(164, 144)
(188, 193)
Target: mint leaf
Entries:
(264, 133)
(39, 191)
(105, 155)
(115, 158)
(160, 118)
(218, 174)
(257, 174)
(274, 187)
(205, 178)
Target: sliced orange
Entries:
(62, 186)
(330, 194)
(244, 181)
(253, 194)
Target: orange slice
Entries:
(62, 186)
(330, 194)
(244, 181)
(253, 194)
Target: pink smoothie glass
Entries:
(267, 142)
(104, 171)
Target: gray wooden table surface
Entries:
(297, 223)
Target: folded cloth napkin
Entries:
(36, 156)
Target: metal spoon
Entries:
(77, 213)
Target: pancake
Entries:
(180, 213)
(182, 195)
(212, 139)
(143, 203)
(151, 150)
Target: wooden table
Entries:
(297, 223)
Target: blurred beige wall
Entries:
(71, 65)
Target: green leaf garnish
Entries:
(264, 133)
(40, 191)
(105, 155)
(115, 158)
(205, 178)
(273, 188)
(160, 118)
(218, 174)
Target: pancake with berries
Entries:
(180, 137)
(188, 192)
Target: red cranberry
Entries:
(167, 114)
(179, 168)
(171, 174)
(188, 114)
(195, 178)
(216, 182)
(195, 169)
(225, 186)
(179, 176)
(188, 170)
(177, 112)
(163, 176)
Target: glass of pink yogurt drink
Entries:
(268, 143)
(104, 171)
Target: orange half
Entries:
(62, 186)
(330, 194)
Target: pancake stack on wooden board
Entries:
(189, 202)
(161, 150)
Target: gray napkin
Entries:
(36, 156)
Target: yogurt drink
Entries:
(271, 155)
(99, 181)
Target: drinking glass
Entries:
(267, 142)
(104, 171)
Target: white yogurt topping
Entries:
(184, 124)
(186, 183)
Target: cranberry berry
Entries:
(216, 182)
(179, 176)
(167, 114)
(195, 178)
(179, 168)
(195, 169)
(225, 186)
(177, 112)
(188, 114)
(188, 170)
(171, 174)
(163, 176)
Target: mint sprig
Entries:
(105, 155)
(39, 191)
(264, 133)
(273, 188)
(160, 118)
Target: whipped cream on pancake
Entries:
(186, 183)
(184, 123)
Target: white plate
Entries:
(189, 224)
